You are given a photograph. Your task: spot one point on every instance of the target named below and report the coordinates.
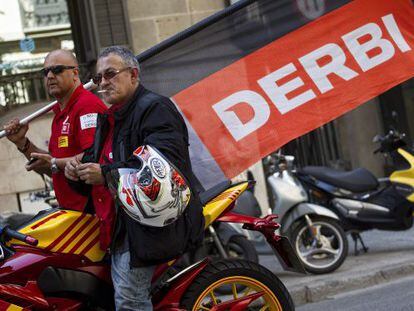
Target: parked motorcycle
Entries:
(222, 240)
(359, 199)
(54, 262)
(314, 230)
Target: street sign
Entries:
(27, 44)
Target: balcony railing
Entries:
(26, 88)
(21, 89)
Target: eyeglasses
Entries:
(58, 69)
(108, 75)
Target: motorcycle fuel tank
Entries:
(65, 231)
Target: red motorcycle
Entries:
(53, 262)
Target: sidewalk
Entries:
(357, 272)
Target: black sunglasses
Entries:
(108, 75)
(58, 69)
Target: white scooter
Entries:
(313, 230)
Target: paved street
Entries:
(390, 258)
(393, 296)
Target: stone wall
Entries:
(14, 177)
(356, 129)
(155, 21)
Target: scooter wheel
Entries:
(325, 253)
(203, 293)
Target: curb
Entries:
(321, 290)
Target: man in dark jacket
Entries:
(137, 117)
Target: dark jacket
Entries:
(151, 119)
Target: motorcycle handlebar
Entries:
(20, 236)
(390, 135)
(391, 141)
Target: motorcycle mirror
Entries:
(376, 139)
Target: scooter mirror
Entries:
(290, 158)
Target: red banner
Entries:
(301, 81)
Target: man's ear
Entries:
(76, 74)
(135, 74)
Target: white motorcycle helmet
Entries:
(156, 194)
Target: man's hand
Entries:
(42, 162)
(16, 132)
(70, 169)
(90, 173)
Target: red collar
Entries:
(113, 108)
(73, 98)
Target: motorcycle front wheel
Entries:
(324, 253)
(250, 285)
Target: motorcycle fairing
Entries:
(29, 293)
(33, 299)
(58, 281)
(220, 203)
(67, 232)
(406, 176)
(177, 286)
(211, 193)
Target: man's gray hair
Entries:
(126, 54)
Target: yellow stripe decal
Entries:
(80, 236)
(86, 243)
(69, 235)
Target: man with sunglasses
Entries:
(73, 126)
(136, 117)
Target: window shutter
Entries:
(112, 22)
(97, 24)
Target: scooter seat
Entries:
(358, 180)
(211, 193)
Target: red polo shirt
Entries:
(73, 130)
